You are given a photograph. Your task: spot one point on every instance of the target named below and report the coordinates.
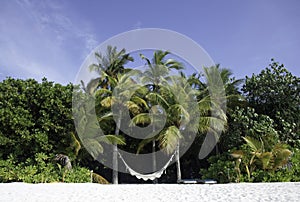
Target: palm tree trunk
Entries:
(115, 152)
(178, 163)
(115, 164)
(154, 160)
(153, 155)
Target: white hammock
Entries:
(146, 177)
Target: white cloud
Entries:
(50, 17)
(39, 40)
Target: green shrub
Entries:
(41, 170)
(77, 175)
(295, 165)
(221, 169)
(289, 173)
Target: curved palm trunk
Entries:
(115, 153)
(178, 163)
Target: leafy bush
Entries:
(35, 124)
(77, 175)
(41, 170)
(38, 170)
(275, 92)
(263, 154)
(35, 117)
(246, 122)
(224, 169)
(289, 173)
(221, 169)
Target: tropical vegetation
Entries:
(255, 123)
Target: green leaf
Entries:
(169, 138)
(142, 118)
(265, 158)
(255, 145)
(112, 139)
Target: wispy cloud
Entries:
(49, 16)
(38, 39)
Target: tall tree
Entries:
(35, 117)
(158, 69)
(276, 93)
(108, 67)
(183, 120)
(231, 95)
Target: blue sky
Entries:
(51, 38)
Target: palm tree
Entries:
(222, 78)
(172, 93)
(108, 67)
(180, 117)
(225, 90)
(177, 115)
(88, 133)
(124, 97)
(261, 153)
(182, 107)
(111, 64)
(158, 69)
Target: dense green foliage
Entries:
(40, 170)
(246, 122)
(260, 141)
(223, 168)
(35, 124)
(276, 92)
(34, 117)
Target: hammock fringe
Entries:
(151, 176)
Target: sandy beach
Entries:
(150, 192)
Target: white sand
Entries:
(150, 192)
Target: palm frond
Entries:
(75, 143)
(178, 111)
(255, 145)
(140, 101)
(133, 107)
(147, 60)
(159, 55)
(112, 139)
(265, 159)
(208, 122)
(105, 117)
(173, 64)
(144, 142)
(108, 102)
(142, 118)
(156, 98)
(102, 91)
(169, 138)
(92, 86)
(281, 156)
(93, 146)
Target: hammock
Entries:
(151, 176)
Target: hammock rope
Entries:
(151, 176)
